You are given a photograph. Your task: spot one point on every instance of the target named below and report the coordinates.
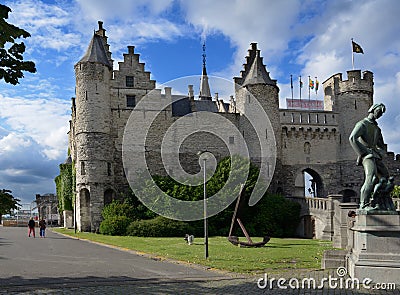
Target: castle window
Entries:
(130, 101)
(129, 81)
(109, 169)
(83, 170)
(324, 118)
(266, 133)
(292, 118)
(231, 140)
(316, 118)
(301, 119)
(307, 148)
(308, 119)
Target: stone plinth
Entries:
(376, 250)
(68, 219)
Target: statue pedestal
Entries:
(376, 250)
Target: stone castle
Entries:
(314, 142)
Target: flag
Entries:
(316, 85)
(357, 48)
(301, 83)
(311, 84)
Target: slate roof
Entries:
(257, 73)
(206, 105)
(96, 52)
(182, 107)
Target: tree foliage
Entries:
(396, 192)
(7, 202)
(12, 64)
(273, 215)
(65, 186)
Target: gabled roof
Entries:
(257, 73)
(96, 52)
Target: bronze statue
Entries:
(367, 141)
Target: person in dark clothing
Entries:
(42, 226)
(31, 226)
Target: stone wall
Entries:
(309, 141)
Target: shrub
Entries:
(275, 216)
(115, 225)
(158, 227)
(116, 208)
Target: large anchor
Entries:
(234, 239)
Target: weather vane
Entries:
(204, 54)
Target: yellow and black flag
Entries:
(357, 48)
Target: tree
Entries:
(7, 202)
(12, 63)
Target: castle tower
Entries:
(92, 129)
(350, 99)
(256, 80)
(205, 93)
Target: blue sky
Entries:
(308, 38)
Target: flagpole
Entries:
(300, 89)
(352, 53)
(309, 81)
(291, 86)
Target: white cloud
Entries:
(45, 121)
(121, 9)
(13, 142)
(48, 24)
(269, 23)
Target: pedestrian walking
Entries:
(42, 226)
(31, 226)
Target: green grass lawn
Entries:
(276, 256)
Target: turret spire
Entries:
(205, 93)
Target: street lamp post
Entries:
(75, 215)
(205, 210)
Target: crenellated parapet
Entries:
(308, 117)
(355, 88)
(309, 133)
(354, 82)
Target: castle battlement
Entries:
(353, 83)
(308, 117)
(309, 132)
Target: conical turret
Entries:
(94, 153)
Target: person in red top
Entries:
(31, 226)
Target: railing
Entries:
(309, 203)
(318, 203)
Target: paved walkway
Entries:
(61, 265)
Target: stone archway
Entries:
(84, 198)
(309, 183)
(314, 185)
(109, 196)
